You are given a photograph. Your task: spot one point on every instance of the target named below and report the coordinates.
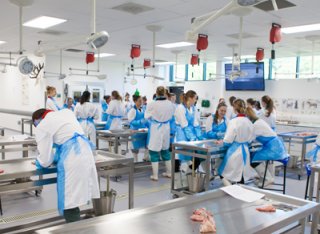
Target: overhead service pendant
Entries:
(202, 44)
(135, 53)
(259, 57)
(275, 37)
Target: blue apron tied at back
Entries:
(313, 154)
(153, 121)
(110, 119)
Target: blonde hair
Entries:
(240, 106)
(251, 114)
(160, 91)
(115, 94)
(50, 89)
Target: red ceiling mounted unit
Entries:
(194, 59)
(275, 37)
(202, 43)
(259, 57)
(90, 57)
(134, 53)
(146, 63)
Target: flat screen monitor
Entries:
(252, 79)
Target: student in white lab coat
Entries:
(268, 112)
(272, 147)
(86, 113)
(188, 126)
(51, 103)
(115, 112)
(160, 112)
(127, 103)
(257, 107)
(104, 106)
(77, 180)
(216, 124)
(236, 163)
(69, 104)
(230, 111)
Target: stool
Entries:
(283, 185)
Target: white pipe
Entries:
(154, 49)
(275, 5)
(20, 30)
(93, 19)
(214, 16)
(60, 61)
(240, 37)
(312, 62)
(176, 70)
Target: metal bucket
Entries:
(293, 162)
(196, 182)
(105, 205)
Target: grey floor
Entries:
(147, 193)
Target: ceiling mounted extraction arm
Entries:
(97, 39)
(198, 23)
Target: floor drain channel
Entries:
(27, 216)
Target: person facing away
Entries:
(77, 180)
(115, 112)
(160, 112)
(235, 166)
(51, 103)
(87, 113)
(268, 113)
(230, 111)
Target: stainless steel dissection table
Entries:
(17, 143)
(231, 216)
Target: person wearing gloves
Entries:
(187, 126)
(77, 180)
(235, 166)
(144, 103)
(137, 121)
(272, 147)
(104, 105)
(115, 112)
(216, 124)
(69, 104)
(160, 113)
(51, 103)
(313, 154)
(268, 112)
(86, 113)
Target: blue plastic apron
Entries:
(218, 130)
(272, 149)
(110, 119)
(313, 154)
(139, 140)
(231, 150)
(62, 152)
(104, 116)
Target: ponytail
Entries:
(85, 97)
(269, 105)
(240, 106)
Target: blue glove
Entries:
(38, 165)
(199, 133)
(189, 134)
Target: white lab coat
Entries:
(209, 122)
(115, 110)
(180, 116)
(261, 128)
(271, 120)
(160, 111)
(230, 113)
(127, 106)
(86, 113)
(77, 174)
(240, 130)
(52, 105)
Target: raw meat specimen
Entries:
(208, 224)
(268, 208)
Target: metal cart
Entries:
(231, 216)
(19, 142)
(13, 180)
(292, 138)
(207, 149)
(25, 121)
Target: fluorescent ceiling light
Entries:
(2, 42)
(44, 22)
(103, 55)
(175, 45)
(164, 63)
(302, 28)
(242, 57)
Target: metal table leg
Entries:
(173, 166)
(30, 128)
(311, 188)
(25, 153)
(314, 225)
(22, 126)
(303, 155)
(207, 182)
(116, 148)
(131, 192)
